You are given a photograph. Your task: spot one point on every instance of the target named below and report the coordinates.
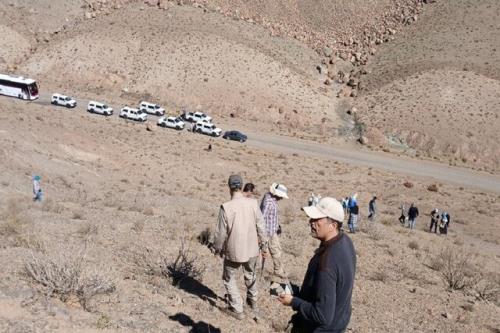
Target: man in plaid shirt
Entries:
(269, 208)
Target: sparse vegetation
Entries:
(205, 237)
(488, 288)
(413, 245)
(455, 267)
(66, 273)
(156, 262)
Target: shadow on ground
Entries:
(198, 327)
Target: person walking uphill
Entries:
(37, 189)
(269, 208)
(324, 301)
(239, 235)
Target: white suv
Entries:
(58, 99)
(151, 108)
(171, 122)
(100, 108)
(133, 114)
(196, 117)
(207, 128)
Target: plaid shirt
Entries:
(269, 208)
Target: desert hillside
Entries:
(434, 90)
(119, 242)
(128, 204)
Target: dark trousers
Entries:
(433, 224)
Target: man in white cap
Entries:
(239, 236)
(269, 208)
(324, 301)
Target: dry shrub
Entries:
(16, 227)
(432, 188)
(488, 288)
(205, 237)
(373, 230)
(456, 268)
(13, 221)
(386, 222)
(413, 245)
(408, 184)
(87, 230)
(65, 273)
(138, 226)
(156, 262)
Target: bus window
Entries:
(33, 89)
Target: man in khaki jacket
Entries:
(239, 237)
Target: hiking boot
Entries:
(254, 310)
(234, 314)
(252, 304)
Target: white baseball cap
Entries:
(326, 207)
(279, 190)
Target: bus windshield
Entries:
(33, 89)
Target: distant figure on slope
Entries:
(403, 217)
(434, 220)
(412, 216)
(372, 208)
(37, 189)
(443, 226)
(353, 216)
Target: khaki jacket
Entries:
(240, 229)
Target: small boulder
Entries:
(363, 140)
(432, 188)
(327, 52)
(408, 184)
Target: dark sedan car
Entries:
(235, 136)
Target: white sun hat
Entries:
(279, 190)
(326, 207)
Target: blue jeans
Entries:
(411, 223)
(38, 196)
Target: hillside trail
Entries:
(354, 155)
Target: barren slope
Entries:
(125, 193)
(185, 57)
(436, 87)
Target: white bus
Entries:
(19, 87)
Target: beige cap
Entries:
(326, 207)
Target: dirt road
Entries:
(377, 160)
(439, 172)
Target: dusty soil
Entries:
(109, 186)
(128, 197)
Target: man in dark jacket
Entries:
(324, 301)
(412, 216)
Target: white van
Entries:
(151, 108)
(58, 99)
(100, 108)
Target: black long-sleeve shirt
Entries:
(324, 301)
